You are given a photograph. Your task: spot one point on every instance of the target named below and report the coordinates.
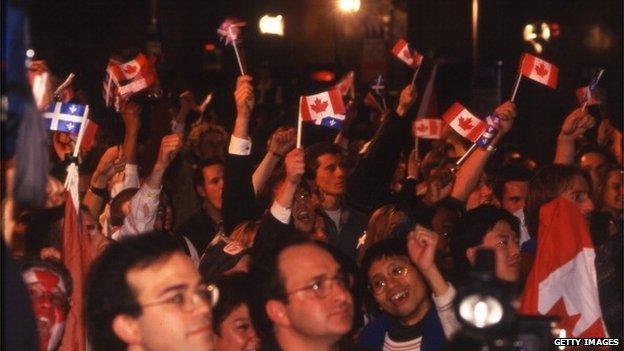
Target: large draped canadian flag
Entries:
(562, 282)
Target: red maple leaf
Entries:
(421, 127)
(541, 70)
(130, 69)
(465, 123)
(319, 106)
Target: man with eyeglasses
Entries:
(144, 293)
(302, 295)
(407, 286)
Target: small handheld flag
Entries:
(325, 109)
(230, 31)
(403, 51)
(345, 85)
(378, 90)
(585, 95)
(492, 129)
(539, 70)
(65, 117)
(428, 128)
(464, 122)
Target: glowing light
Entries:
(349, 5)
(30, 53)
(272, 25)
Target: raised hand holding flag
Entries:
(585, 95)
(230, 31)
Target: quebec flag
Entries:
(325, 109)
(65, 117)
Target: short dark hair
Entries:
(267, 282)
(509, 173)
(116, 213)
(233, 292)
(198, 173)
(313, 152)
(548, 183)
(108, 293)
(55, 266)
(470, 231)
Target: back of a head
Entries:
(107, 292)
(470, 231)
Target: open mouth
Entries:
(399, 297)
(43, 325)
(203, 330)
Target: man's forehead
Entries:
(329, 158)
(171, 270)
(306, 261)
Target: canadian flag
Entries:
(404, 53)
(326, 109)
(428, 128)
(464, 122)
(345, 85)
(584, 94)
(539, 70)
(562, 281)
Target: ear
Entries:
(470, 254)
(127, 329)
(277, 312)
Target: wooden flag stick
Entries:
(515, 91)
(597, 80)
(463, 158)
(415, 74)
(240, 63)
(416, 147)
(299, 126)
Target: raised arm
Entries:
(280, 143)
(573, 128)
(468, 174)
(98, 189)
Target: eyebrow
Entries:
(177, 287)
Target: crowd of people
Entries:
(228, 237)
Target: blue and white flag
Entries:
(65, 117)
(378, 87)
(490, 132)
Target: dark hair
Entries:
(509, 173)
(43, 229)
(470, 231)
(55, 266)
(198, 174)
(603, 177)
(266, 281)
(108, 293)
(116, 207)
(233, 292)
(548, 183)
(313, 152)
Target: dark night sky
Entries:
(79, 35)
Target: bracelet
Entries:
(101, 192)
(277, 155)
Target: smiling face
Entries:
(49, 299)
(399, 289)
(169, 326)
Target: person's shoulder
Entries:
(373, 334)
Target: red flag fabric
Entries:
(584, 94)
(74, 254)
(539, 70)
(404, 52)
(428, 128)
(315, 107)
(464, 122)
(89, 136)
(124, 79)
(562, 281)
(345, 85)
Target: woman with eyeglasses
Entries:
(231, 321)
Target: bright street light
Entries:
(272, 25)
(349, 5)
